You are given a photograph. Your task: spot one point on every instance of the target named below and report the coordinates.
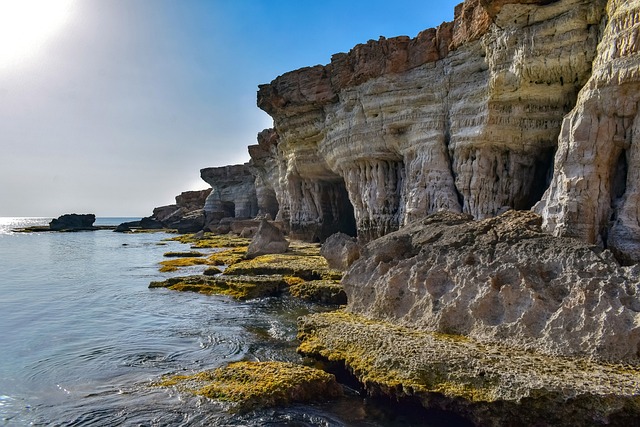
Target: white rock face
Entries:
(463, 118)
(594, 194)
(500, 280)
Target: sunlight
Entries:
(25, 25)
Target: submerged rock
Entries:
(253, 385)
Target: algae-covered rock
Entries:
(175, 264)
(186, 254)
(212, 271)
(211, 240)
(307, 267)
(238, 287)
(319, 291)
(490, 384)
(252, 385)
(227, 256)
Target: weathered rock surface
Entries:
(501, 280)
(268, 239)
(340, 251)
(492, 385)
(73, 222)
(186, 216)
(464, 117)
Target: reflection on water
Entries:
(84, 339)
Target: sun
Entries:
(26, 25)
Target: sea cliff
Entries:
(489, 170)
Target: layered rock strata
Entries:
(595, 191)
(233, 193)
(464, 117)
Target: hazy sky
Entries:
(112, 107)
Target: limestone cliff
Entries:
(233, 193)
(595, 191)
(464, 117)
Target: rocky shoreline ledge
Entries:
(567, 354)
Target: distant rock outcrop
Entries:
(73, 222)
(186, 216)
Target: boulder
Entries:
(127, 226)
(73, 222)
(269, 239)
(340, 250)
(190, 223)
(501, 280)
(150, 223)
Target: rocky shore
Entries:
(477, 184)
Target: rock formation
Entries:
(500, 280)
(73, 222)
(269, 239)
(187, 215)
(464, 117)
(233, 193)
(595, 191)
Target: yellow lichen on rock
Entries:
(307, 267)
(211, 240)
(398, 362)
(174, 264)
(238, 287)
(249, 385)
(321, 291)
(227, 256)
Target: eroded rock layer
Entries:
(595, 192)
(464, 117)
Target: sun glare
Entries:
(26, 25)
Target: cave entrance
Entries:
(337, 211)
(542, 176)
(229, 209)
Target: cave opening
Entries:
(229, 209)
(619, 181)
(338, 214)
(542, 176)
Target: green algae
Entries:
(211, 240)
(175, 264)
(306, 267)
(480, 379)
(238, 287)
(250, 385)
(319, 291)
(228, 256)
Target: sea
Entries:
(83, 340)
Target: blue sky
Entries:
(117, 110)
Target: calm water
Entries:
(82, 337)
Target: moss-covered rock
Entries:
(307, 267)
(211, 240)
(212, 271)
(227, 256)
(238, 287)
(320, 291)
(175, 264)
(186, 254)
(492, 385)
(252, 385)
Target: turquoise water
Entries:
(83, 338)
